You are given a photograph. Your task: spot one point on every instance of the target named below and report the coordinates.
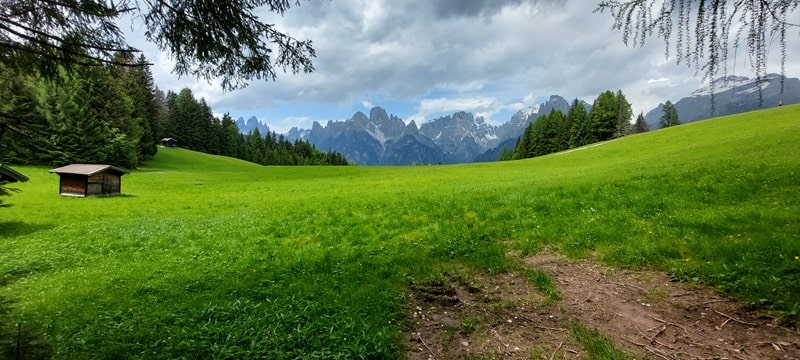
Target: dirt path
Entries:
(642, 312)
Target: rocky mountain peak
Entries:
(388, 126)
(378, 115)
(410, 129)
(252, 123)
(360, 120)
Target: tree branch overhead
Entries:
(207, 40)
(701, 32)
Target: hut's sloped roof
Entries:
(8, 174)
(87, 169)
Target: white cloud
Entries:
(430, 107)
(517, 106)
(488, 117)
(283, 126)
(659, 80)
(416, 118)
(529, 99)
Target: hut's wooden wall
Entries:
(114, 183)
(73, 185)
(104, 183)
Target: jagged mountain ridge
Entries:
(461, 137)
(383, 139)
(247, 126)
(732, 95)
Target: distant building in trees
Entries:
(89, 179)
(169, 142)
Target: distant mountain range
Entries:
(246, 126)
(732, 95)
(384, 139)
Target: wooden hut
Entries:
(169, 142)
(89, 179)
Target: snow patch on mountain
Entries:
(731, 95)
(722, 84)
(533, 109)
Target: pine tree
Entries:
(208, 125)
(670, 116)
(22, 123)
(256, 149)
(232, 142)
(623, 116)
(165, 101)
(640, 125)
(554, 137)
(545, 134)
(537, 145)
(565, 132)
(115, 107)
(78, 133)
(603, 116)
(524, 143)
(141, 89)
(580, 133)
(183, 115)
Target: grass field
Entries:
(210, 257)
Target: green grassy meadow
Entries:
(211, 257)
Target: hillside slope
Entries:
(210, 257)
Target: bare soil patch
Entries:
(642, 312)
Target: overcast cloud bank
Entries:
(422, 59)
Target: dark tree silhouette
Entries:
(207, 39)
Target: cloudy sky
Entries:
(421, 59)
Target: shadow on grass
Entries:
(10, 230)
(19, 340)
(18, 228)
(112, 196)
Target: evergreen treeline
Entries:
(114, 114)
(193, 125)
(608, 118)
(102, 114)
